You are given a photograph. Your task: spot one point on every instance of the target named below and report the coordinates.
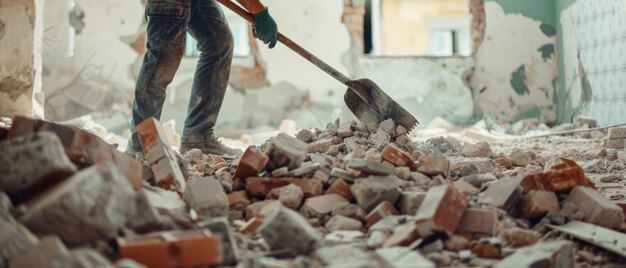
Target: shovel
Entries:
(367, 101)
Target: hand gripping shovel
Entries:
(367, 101)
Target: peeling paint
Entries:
(547, 29)
(515, 65)
(518, 81)
(547, 51)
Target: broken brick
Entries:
(596, 208)
(285, 223)
(403, 236)
(441, 211)
(479, 149)
(319, 206)
(561, 176)
(238, 199)
(478, 222)
(342, 223)
(381, 211)
(349, 210)
(434, 165)
(520, 158)
(254, 209)
(261, 186)
(465, 166)
(160, 156)
(503, 194)
(370, 167)
(33, 159)
(79, 209)
(371, 191)
(341, 187)
(466, 188)
(320, 146)
(251, 226)
(291, 196)
(617, 133)
(396, 156)
(558, 253)
(537, 204)
(285, 151)
(173, 249)
(206, 196)
(488, 248)
(251, 163)
(81, 147)
(518, 237)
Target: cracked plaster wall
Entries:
(516, 64)
(21, 35)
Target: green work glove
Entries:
(265, 28)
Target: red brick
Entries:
(160, 157)
(251, 163)
(537, 204)
(403, 236)
(238, 199)
(434, 165)
(397, 157)
(341, 187)
(251, 226)
(478, 222)
(261, 186)
(381, 211)
(173, 249)
(561, 177)
(441, 211)
(82, 147)
(486, 249)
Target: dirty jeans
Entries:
(168, 23)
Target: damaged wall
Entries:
(516, 64)
(21, 36)
(426, 86)
(592, 45)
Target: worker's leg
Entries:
(215, 42)
(168, 21)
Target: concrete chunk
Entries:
(596, 208)
(371, 191)
(410, 201)
(503, 194)
(370, 167)
(50, 252)
(285, 151)
(221, 226)
(441, 210)
(320, 146)
(33, 158)
(559, 254)
(15, 240)
(342, 223)
(285, 223)
(291, 196)
(206, 196)
(91, 205)
(319, 206)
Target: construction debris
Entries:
(349, 195)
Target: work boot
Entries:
(212, 146)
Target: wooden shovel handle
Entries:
(291, 44)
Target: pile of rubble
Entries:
(351, 195)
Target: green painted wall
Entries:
(564, 113)
(542, 10)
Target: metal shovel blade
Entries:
(370, 104)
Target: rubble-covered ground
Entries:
(346, 195)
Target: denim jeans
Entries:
(168, 23)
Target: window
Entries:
(239, 28)
(417, 27)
